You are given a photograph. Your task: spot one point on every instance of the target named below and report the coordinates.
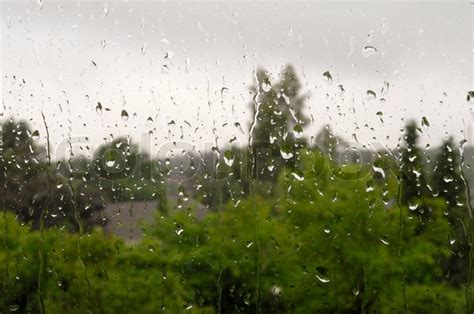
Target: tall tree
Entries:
(448, 184)
(278, 114)
(413, 179)
(447, 180)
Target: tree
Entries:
(449, 185)
(278, 120)
(413, 179)
(276, 136)
(35, 191)
(333, 246)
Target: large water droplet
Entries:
(266, 86)
(229, 158)
(413, 206)
(98, 108)
(298, 131)
(124, 115)
(448, 179)
(323, 279)
(328, 76)
(371, 94)
(286, 155)
(379, 170)
(35, 135)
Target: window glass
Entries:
(226, 157)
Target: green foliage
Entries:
(326, 243)
(57, 272)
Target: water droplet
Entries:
(35, 135)
(266, 86)
(380, 114)
(223, 91)
(448, 179)
(323, 279)
(368, 51)
(286, 155)
(169, 55)
(425, 122)
(470, 96)
(124, 115)
(379, 170)
(298, 131)
(14, 308)
(187, 65)
(229, 158)
(371, 94)
(110, 163)
(298, 176)
(286, 98)
(276, 290)
(98, 108)
(413, 206)
(328, 76)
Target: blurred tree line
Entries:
(292, 225)
(73, 192)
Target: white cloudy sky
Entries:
(424, 51)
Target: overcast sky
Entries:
(170, 62)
